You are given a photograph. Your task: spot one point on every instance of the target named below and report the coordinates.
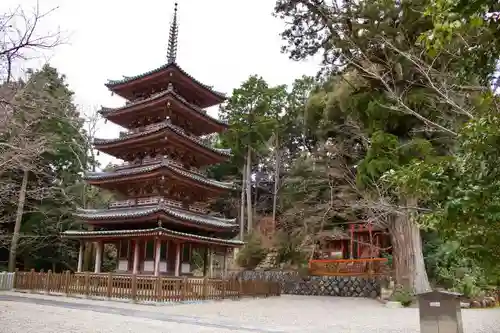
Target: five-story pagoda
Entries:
(162, 216)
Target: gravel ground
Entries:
(40, 314)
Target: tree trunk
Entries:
(255, 197)
(89, 253)
(408, 259)
(249, 190)
(19, 219)
(276, 177)
(242, 202)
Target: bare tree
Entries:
(91, 125)
(20, 149)
(20, 38)
(20, 113)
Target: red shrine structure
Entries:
(162, 217)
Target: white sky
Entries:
(221, 43)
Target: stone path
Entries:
(44, 314)
(130, 312)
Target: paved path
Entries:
(44, 314)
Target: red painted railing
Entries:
(348, 267)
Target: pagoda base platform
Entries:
(212, 275)
(157, 252)
(148, 269)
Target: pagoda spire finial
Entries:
(172, 38)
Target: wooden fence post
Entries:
(47, 281)
(184, 286)
(134, 287)
(30, 280)
(205, 288)
(223, 288)
(240, 287)
(67, 283)
(158, 289)
(109, 292)
(87, 284)
(16, 277)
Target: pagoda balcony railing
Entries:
(141, 129)
(349, 267)
(196, 208)
(152, 160)
(154, 126)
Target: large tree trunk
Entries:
(249, 190)
(242, 202)
(19, 218)
(408, 259)
(276, 176)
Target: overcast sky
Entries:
(221, 43)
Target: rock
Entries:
(393, 305)
(490, 301)
(465, 305)
(385, 293)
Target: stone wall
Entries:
(294, 284)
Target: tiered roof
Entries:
(158, 114)
(124, 115)
(157, 212)
(163, 168)
(154, 232)
(156, 134)
(121, 86)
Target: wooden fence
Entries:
(142, 287)
(349, 267)
(6, 280)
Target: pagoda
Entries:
(161, 219)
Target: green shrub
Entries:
(452, 268)
(288, 248)
(402, 296)
(252, 253)
(303, 271)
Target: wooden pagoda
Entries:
(161, 219)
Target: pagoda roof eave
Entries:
(113, 84)
(155, 232)
(164, 164)
(112, 112)
(152, 210)
(153, 130)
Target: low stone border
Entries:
(485, 302)
(294, 284)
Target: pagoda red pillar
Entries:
(98, 257)
(177, 259)
(157, 257)
(135, 269)
(80, 256)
